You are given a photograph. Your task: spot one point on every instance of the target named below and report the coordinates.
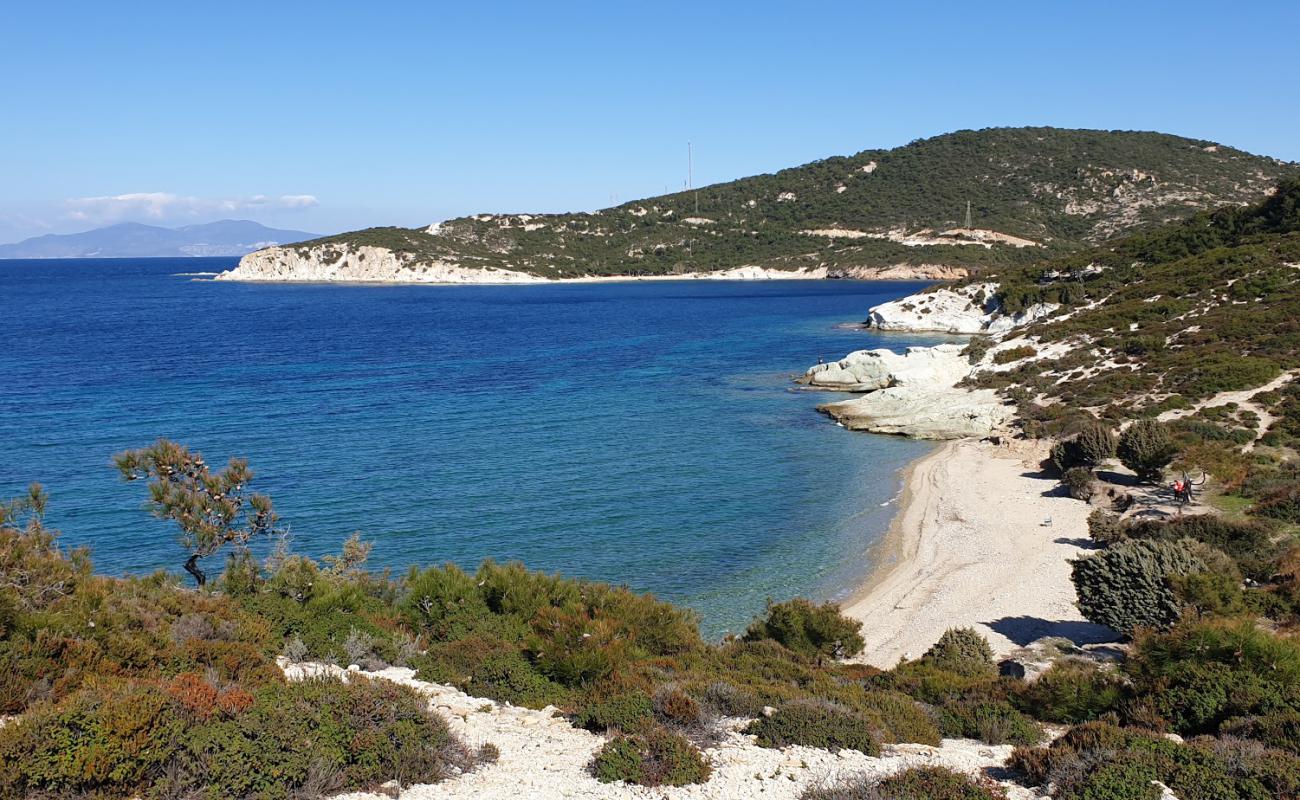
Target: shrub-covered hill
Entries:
(1032, 192)
(1159, 320)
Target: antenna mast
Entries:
(690, 177)
(968, 225)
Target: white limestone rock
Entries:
(914, 393)
(342, 264)
(966, 309)
(869, 370)
(923, 413)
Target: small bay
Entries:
(638, 433)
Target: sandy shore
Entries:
(970, 547)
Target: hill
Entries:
(1033, 193)
(1194, 325)
(227, 237)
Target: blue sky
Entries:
(328, 116)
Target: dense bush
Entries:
(1280, 729)
(915, 783)
(809, 629)
(1146, 447)
(629, 711)
(1127, 586)
(1282, 502)
(1105, 528)
(963, 651)
(1014, 354)
(1079, 482)
(490, 667)
(1096, 444)
(817, 724)
(1072, 691)
(1250, 544)
(655, 758)
(314, 737)
(1099, 761)
(898, 718)
(674, 707)
(1204, 672)
(1065, 456)
(990, 721)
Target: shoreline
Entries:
(953, 558)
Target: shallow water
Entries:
(640, 433)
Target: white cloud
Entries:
(165, 205)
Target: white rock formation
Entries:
(965, 309)
(342, 264)
(869, 370)
(337, 264)
(543, 757)
(914, 394)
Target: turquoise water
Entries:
(639, 433)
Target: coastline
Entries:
(953, 557)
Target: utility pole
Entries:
(968, 225)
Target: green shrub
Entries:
(1096, 443)
(1080, 483)
(576, 648)
(1283, 503)
(899, 718)
(444, 601)
(809, 629)
(1105, 528)
(820, 724)
(991, 722)
(1203, 672)
(1099, 761)
(1249, 543)
(489, 667)
(963, 651)
(1280, 729)
(1146, 447)
(655, 758)
(1072, 691)
(284, 740)
(630, 711)
(1065, 455)
(915, 783)
(1126, 586)
(1014, 354)
(1211, 593)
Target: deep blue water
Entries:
(640, 433)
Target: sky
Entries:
(330, 116)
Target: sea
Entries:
(641, 433)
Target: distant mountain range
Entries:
(227, 237)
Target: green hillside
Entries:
(1061, 189)
(1162, 319)
(1196, 324)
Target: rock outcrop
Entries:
(914, 394)
(334, 264)
(970, 309)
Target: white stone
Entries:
(965, 310)
(914, 394)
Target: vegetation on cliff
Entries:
(1055, 187)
